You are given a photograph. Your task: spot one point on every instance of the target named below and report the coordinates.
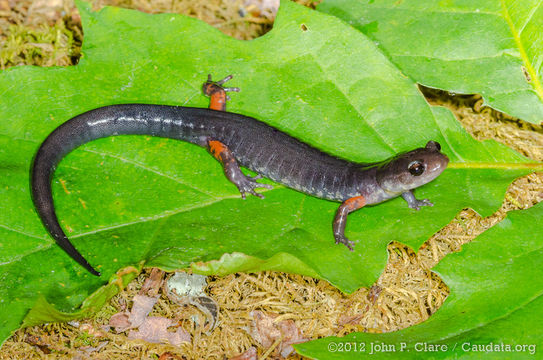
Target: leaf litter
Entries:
(183, 288)
(275, 333)
(153, 329)
(407, 292)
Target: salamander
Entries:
(238, 140)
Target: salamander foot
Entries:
(244, 183)
(210, 86)
(248, 184)
(217, 93)
(342, 239)
(340, 220)
(417, 204)
(413, 202)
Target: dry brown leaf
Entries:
(4, 6)
(291, 335)
(263, 8)
(86, 350)
(151, 329)
(142, 306)
(120, 322)
(50, 10)
(152, 284)
(350, 319)
(169, 356)
(374, 293)
(140, 309)
(155, 330)
(250, 354)
(268, 332)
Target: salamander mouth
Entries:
(440, 166)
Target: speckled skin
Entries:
(254, 144)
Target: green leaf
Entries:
(43, 311)
(496, 298)
(133, 200)
(490, 47)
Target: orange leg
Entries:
(245, 184)
(220, 151)
(347, 207)
(217, 93)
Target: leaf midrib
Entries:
(496, 165)
(523, 55)
(504, 14)
(488, 323)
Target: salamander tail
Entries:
(42, 170)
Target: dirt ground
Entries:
(48, 32)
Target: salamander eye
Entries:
(416, 168)
(433, 145)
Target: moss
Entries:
(41, 46)
(318, 308)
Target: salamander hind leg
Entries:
(340, 220)
(217, 93)
(244, 183)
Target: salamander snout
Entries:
(412, 169)
(436, 161)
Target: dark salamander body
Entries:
(237, 139)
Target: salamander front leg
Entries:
(244, 183)
(347, 207)
(413, 202)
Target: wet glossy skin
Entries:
(237, 140)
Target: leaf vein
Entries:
(383, 140)
(165, 214)
(530, 16)
(143, 166)
(466, 331)
(524, 56)
(21, 256)
(497, 55)
(437, 11)
(21, 232)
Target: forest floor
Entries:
(48, 33)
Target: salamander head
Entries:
(412, 169)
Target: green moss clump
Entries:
(42, 45)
